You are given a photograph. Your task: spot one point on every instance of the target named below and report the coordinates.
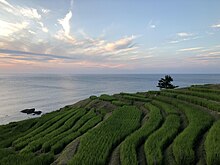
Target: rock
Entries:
(37, 112)
(31, 111)
(28, 111)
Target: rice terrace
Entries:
(174, 126)
(80, 82)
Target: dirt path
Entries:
(68, 153)
(141, 155)
(115, 156)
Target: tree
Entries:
(166, 83)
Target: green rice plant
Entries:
(128, 148)
(118, 103)
(199, 121)
(97, 144)
(212, 145)
(183, 146)
(39, 140)
(153, 92)
(27, 159)
(160, 138)
(61, 144)
(57, 135)
(200, 101)
(43, 130)
(133, 94)
(90, 124)
(15, 130)
(106, 97)
(6, 138)
(168, 94)
(206, 90)
(51, 133)
(195, 100)
(206, 95)
(168, 109)
(44, 122)
(138, 95)
(93, 97)
(135, 98)
(4, 152)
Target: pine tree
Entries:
(165, 83)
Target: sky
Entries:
(110, 36)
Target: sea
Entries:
(50, 92)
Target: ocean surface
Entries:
(49, 92)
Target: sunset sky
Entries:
(109, 36)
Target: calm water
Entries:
(51, 92)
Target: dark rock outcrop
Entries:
(28, 111)
(31, 111)
(37, 112)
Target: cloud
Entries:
(15, 19)
(174, 41)
(152, 24)
(216, 26)
(30, 13)
(64, 33)
(207, 56)
(190, 49)
(7, 28)
(43, 28)
(93, 50)
(26, 41)
(183, 39)
(45, 11)
(184, 34)
(99, 48)
(30, 55)
(32, 32)
(6, 5)
(120, 44)
(65, 22)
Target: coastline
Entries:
(128, 117)
(47, 93)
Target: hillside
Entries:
(178, 126)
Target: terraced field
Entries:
(177, 127)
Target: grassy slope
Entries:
(186, 131)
